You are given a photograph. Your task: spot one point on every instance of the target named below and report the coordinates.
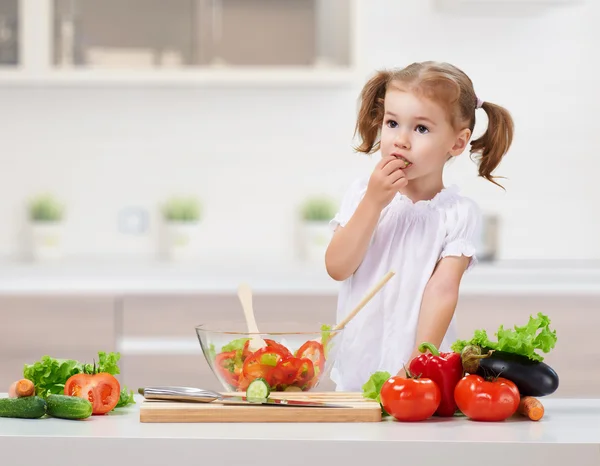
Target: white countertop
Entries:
(122, 277)
(570, 430)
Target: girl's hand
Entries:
(387, 178)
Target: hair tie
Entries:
(479, 103)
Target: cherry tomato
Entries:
(410, 399)
(482, 400)
(102, 390)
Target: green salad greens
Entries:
(372, 388)
(534, 336)
(49, 375)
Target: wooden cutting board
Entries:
(359, 410)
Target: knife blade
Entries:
(199, 395)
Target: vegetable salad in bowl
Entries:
(286, 361)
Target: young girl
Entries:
(402, 218)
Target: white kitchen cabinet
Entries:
(503, 7)
(192, 42)
(9, 33)
(61, 327)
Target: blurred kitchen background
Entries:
(156, 153)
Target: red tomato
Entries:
(225, 366)
(483, 400)
(261, 364)
(312, 350)
(245, 351)
(102, 390)
(279, 347)
(286, 371)
(410, 399)
(306, 373)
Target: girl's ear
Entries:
(461, 142)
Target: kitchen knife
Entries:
(199, 395)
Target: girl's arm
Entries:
(439, 301)
(349, 244)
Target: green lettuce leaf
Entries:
(107, 362)
(325, 334)
(536, 335)
(49, 374)
(126, 398)
(372, 388)
(235, 345)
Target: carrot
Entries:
(531, 407)
(21, 388)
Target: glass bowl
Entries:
(290, 361)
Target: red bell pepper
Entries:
(445, 369)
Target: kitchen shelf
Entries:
(328, 59)
(255, 77)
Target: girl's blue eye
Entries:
(392, 124)
(422, 129)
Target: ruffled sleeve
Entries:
(463, 226)
(350, 202)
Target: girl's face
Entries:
(418, 130)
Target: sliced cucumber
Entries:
(258, 390)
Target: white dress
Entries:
(410, 239)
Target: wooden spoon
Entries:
(245, 296)
(372, 292)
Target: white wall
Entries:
(253, 155)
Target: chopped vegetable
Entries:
(235, 345)
(102, 390)
(531, 407)
(524, 340)
(281, 369)
(258, 390)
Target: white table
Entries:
(569, 434)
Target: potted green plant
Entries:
(46, 219)
(181, 216)
(316, 213)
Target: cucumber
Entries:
(258, 390)
(28, 407)
(68, 407)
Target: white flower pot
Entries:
(315, 238)
(181, 240)
(46, 240)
